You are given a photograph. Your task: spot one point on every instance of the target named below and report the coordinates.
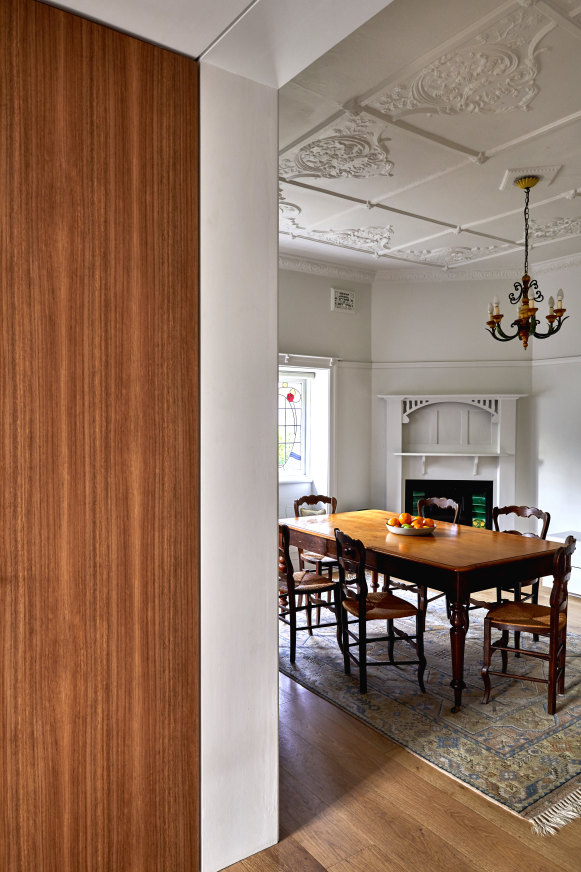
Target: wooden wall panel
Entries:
(99, 664)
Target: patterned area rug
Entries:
(511, 749)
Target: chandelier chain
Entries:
(527, 192)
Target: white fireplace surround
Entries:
(453, 437)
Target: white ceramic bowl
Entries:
(411, 531)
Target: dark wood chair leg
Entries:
(309, 611)
(390, 639)
(535, 600)
(338, 610)
(362, 656)
(345, 630)
(420, 620)
(423, 605)
(553, 672)
(504, 654)
(486, 663)
(562, 660)
(517, 599)
(293, 635)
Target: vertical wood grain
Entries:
(99, 449)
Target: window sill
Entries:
(294, 479)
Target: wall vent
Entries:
(342, 301)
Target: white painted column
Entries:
(394, 488)
(507, 446)
(238, 391)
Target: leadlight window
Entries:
(292, 424)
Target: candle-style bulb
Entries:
(496, 301)
(560, 296)
(490, 308)
(551, 304)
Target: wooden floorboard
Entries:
(352, 800)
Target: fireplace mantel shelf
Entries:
(453, 453)
(475, 454)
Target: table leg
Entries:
(459, 625)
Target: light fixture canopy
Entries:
(525, 292)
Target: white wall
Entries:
(308, 326)
(556, 409)
(431, 338)
(238, 364)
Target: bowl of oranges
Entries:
(410, 525)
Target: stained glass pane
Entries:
(291, 437)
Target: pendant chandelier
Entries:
(526, 293)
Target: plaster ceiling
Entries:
(268, 41)
(399, 147)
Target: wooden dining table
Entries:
(455, 559)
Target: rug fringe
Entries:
(548, 822)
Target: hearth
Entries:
(473, 497)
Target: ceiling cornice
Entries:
(324, 269)
(335, 271)
(464, 275)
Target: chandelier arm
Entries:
(503, 336)
(552, 329)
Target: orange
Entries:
(417, 523)
(405, 518)
(418, 518)
(428, 522)
(394, 522)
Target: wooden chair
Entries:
(528, 617)
(303, 506)
(293, 586)
(522, 512)
(426, 507)
(367, 606)
(321, 563)
(517, 588)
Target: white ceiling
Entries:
(400, 142)
(400, 146)
(268, 41)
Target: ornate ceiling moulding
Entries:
(326, 270)
(355, 150)
(451, 257)
(371, 240)
(558, 228)
(493, 72)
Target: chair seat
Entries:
(307, 582)
(319, 558)
(381, 606)
(525, 617)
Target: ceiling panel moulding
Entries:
(412, 130)
(564, 21)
